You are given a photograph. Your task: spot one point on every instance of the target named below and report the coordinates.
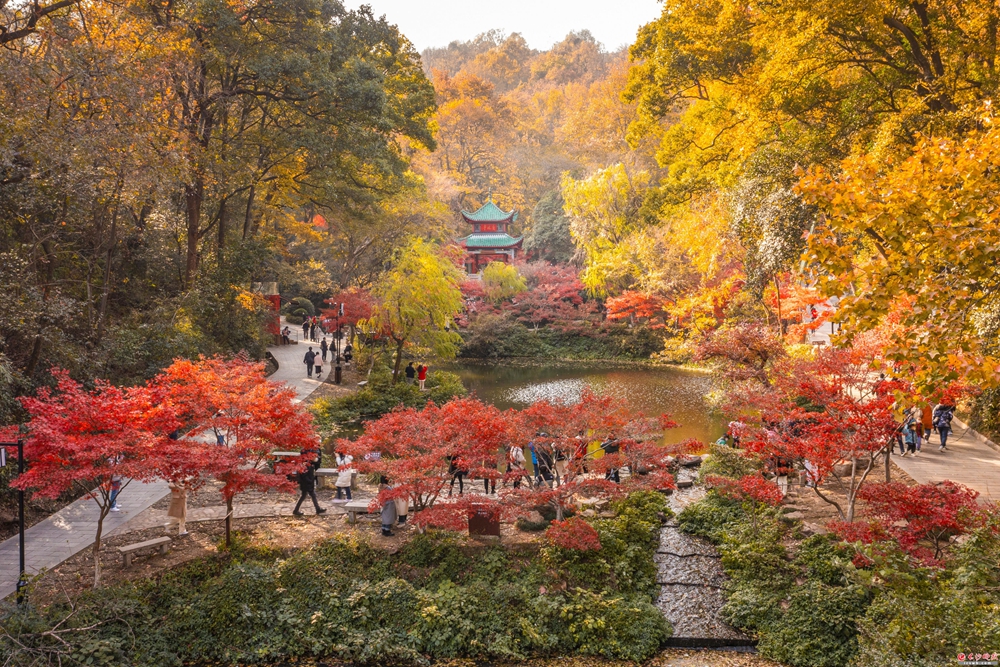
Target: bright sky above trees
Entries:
(432, 23)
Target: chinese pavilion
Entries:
(490, 240)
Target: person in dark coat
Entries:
(307, 485)
(411, 373)
(305, 329)
(309, 360)
(324, 347)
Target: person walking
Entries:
(910, 434)
(345, 475)
(324, 347)
(410, 372)
(309, 360)
(927, 421)
(307, 485)
(285, 333)
(305, 329)
(421, 375)
(456, 473)
(918, 425)
(177, 511)
(312, 329)
(116, 487)
(515, 463)
(348, 355)
(943, 414)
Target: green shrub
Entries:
(728, 462)
(499, 336)
(803, 610)
(380, 397)
(300, 307)
(344, 599)
(818, 628)
(924, 616)
(710, 516)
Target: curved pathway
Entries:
(971, 459)
(72, 529)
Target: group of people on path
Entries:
(418, 374)
(918, 424)
(307, 481)
(550, 466)
(310, 326)
(314, 360)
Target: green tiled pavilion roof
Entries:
(490, 240)
(490, 212)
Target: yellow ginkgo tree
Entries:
(417, 301)
(918, 241)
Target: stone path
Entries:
(970, 459)
(72, 529)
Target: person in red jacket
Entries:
(421, 375)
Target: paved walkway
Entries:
(970, 460)
(72, 529)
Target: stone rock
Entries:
(809, 529)
(535, 516)
(589, 514)
(607, 515)
(794, 516)
(691, 461)
(684, 483)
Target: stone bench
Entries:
(128, 550)
(354, 508)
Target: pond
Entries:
(651, 390)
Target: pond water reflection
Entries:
(652, 390)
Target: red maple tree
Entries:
(921, 519)
(749, 487)
(417, 450)
(357, 303)
(575, 534)
(87, 440)
(829, 413)
(230, 418)
(637, 307)
(744, 351)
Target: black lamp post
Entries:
(21, 581)
(338, 374)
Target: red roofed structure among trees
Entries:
(490, 239)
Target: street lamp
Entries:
(21, 581)
(337, 372)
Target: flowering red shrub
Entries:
(748, 487)
(574, 533)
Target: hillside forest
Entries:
(736, 164)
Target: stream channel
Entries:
(689, 570)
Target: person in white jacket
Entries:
(345, 475)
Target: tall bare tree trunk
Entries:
(246, 216)
(229, 521)
(106, 287)
(777, 295)
(97, 543)
(193, 195)
(399, 361)
(220, 250)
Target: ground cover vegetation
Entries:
(833, 600)
(436, 598)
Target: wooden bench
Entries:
(354, 508)
(162, 542)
